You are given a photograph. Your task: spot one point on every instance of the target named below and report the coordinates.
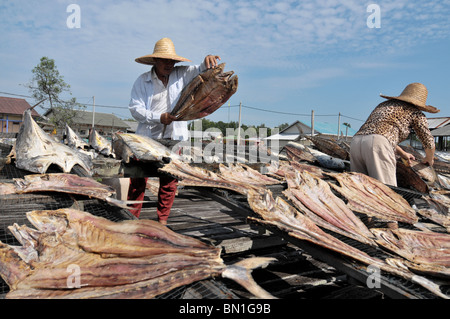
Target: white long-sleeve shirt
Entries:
(147, 112)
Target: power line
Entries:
(244, 106)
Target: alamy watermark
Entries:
(374, 19)
(249, 147)
(74, 19)
(374, 279)
(74, 277)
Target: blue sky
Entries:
(291, 57)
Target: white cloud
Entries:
(304, 42)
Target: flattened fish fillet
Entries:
(371, 197)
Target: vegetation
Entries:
(47, 84)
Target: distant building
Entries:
(11, 113)
(104, 123)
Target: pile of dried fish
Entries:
(73, 254)
(369, 196)
(35, 150)
(205, 94)
(63, 183)
(314, 198)
(278, 213)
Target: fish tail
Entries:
(431, 286)
(241, 273)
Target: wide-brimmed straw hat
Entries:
(164, 49)
(416, 94)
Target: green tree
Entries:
(48, 84)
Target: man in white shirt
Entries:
(153, 96)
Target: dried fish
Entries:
(36, 150)
(278, 213)
(74, 140)
(329, 147)
(419, 247)
(438, 211)
(313, 197)
(63, 183)
(298, 152)
(100, 143)
(371, 197)
(241, 173)
(191, 175)
(128, 259)
(205, 94)
(129, 146)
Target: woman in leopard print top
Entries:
(374, 146)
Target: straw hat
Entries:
(416, 94)
(164, 49)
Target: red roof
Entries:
(9, 105)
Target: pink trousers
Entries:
(166, 195)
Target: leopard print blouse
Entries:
(394, 120)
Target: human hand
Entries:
(211, 61)
(167, 118)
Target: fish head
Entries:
(48, 221)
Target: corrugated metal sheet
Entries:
(9, 105)
(438, 122)
(442, 131)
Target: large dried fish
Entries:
(129, 146)
(100, 143)
(241, 173)
(416, 246)
(438, 210)
(369, 196)
(36, 150)
(313, 197)
(205, 94)
(408, 179)
(63, 183)
(298, 152)
(278, 213)
(74, 140)
(329, 147)
(191, 175)
(128, 259)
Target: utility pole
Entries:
(339, 125)
(239, 125)
(93, 111)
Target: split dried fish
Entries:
(63, 183)
(128, 259)
(36, 150)
(205, 94)
(278, 213)
(313, 197)
(371, 197)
